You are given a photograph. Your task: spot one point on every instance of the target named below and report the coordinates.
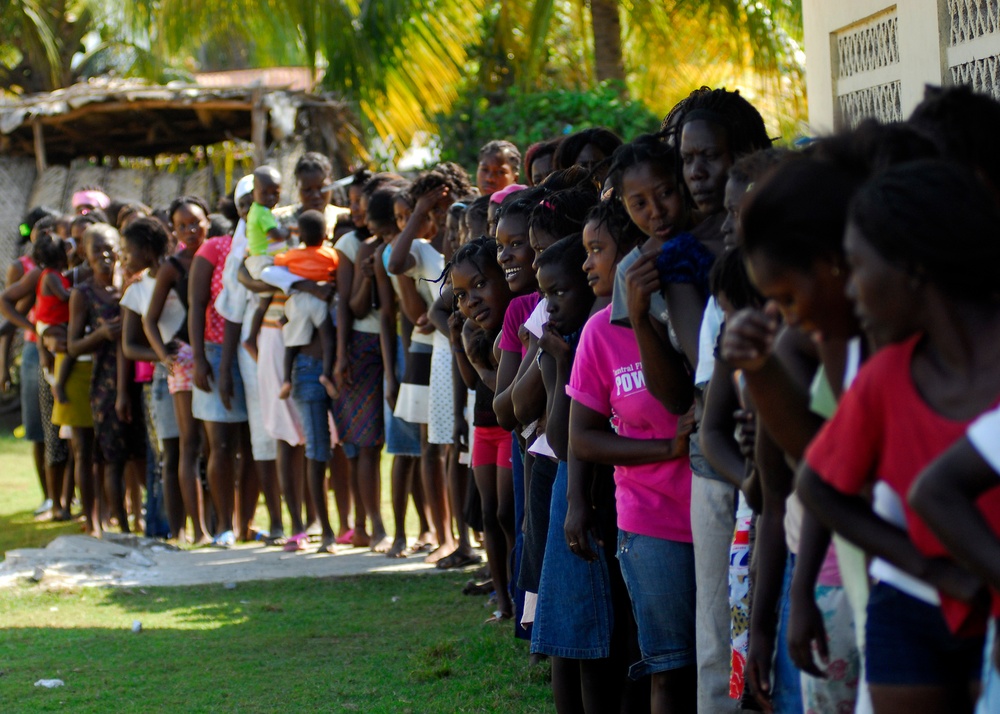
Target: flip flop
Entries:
(296, 543)
(345, 539)
(497, 617)
(458, 560)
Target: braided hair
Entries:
(743, 124)
(936, 220)
(563, 212)
(612, 217)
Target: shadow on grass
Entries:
(21, 530)
(331, 645)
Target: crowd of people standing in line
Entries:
(723, 416)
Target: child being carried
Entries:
(304, 312)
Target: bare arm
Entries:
(590, 440)
(387, 335)
(13, 295)
(199, 293)
(135, 345)
(669, 381)
(166, 276)
(528, 391)
(79, 342)
(945, 496)
(345, 320)
(503, 402)
(718, 426)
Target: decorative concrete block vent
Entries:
(867, 70)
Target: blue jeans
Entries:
(659, 575)
(313, 404)
(989, 701)
(31, 410)
(787, 692)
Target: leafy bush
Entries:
(527, 117)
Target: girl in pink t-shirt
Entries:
(648, 447)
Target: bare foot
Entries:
(328, 385)
(203, 542)
(360, 539)
(327, 546)
(286, 390)
(398, 549)
(438, 553)
(381, 544)
(424, 542)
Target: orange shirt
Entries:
(318, 263)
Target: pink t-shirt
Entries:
(518, 311)
(215, 250)
(653, 499)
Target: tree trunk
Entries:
(607, 30)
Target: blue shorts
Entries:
(313, 404)
(164, 415)
(659, 575)
(207, 406)
(31, 410)
(908, 643)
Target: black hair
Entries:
(130, 209)
(481, 252)
(872, 147)
(570, 147)
(182, 201)
(380, 205)
(520, 203)
(147, 233)
(753, 167)
(963, 124)
(48, 224)
(48, 251)
(936, 219)
(114, 208)
(510, 152)
(563, 212)
(226, 205)
(359, 178)
(88, 219)
(729, 277)
(218, 225)
(478, 210)
(34, 216)
(427, 182)
(743, 124)
(567, 253)
(612, 216)
(646, 148)
(562, 179)
(456, 177)
(312, 228)
(312, 162)
(377, 181)
(797, 215)
(537, 151)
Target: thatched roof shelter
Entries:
(116, 117)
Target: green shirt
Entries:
(260, 221)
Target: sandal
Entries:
(296, 543)
(474, 588)
(345, 539)
(458, 560)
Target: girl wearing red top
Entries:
(919, 242)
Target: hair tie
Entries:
(25, 230)
(546, 204)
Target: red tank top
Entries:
(49, 308)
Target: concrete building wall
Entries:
(873, 58)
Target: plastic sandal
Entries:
(296, 543)
(345, 539)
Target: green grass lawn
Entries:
(376, 643)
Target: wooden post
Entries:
(258, 126)
(40, 161)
